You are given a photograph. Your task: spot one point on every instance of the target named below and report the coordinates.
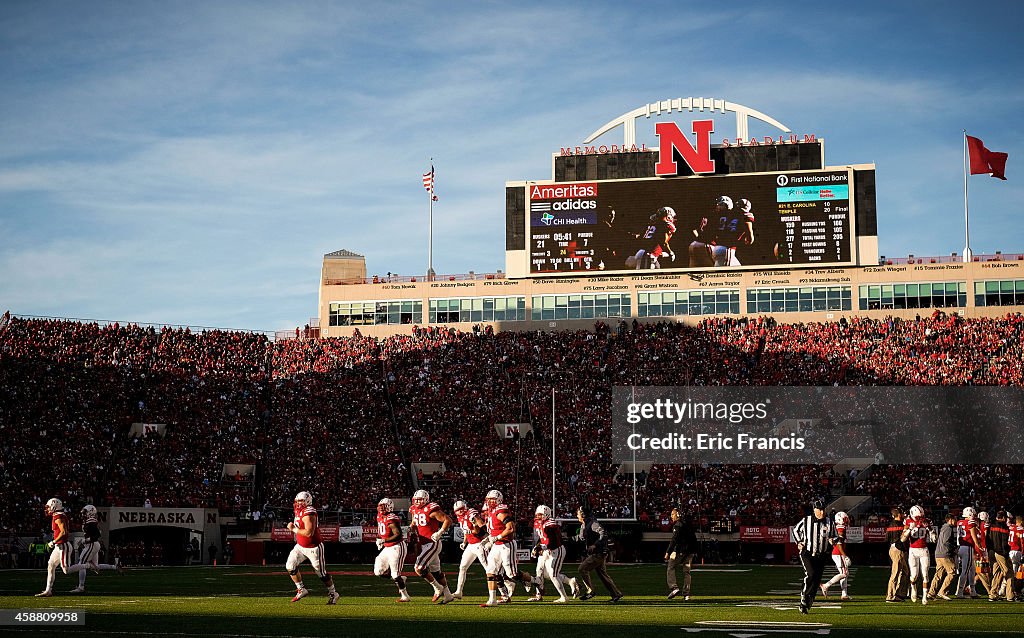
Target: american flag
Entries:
(428, 182)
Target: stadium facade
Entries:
(570, 262)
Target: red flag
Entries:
(984, 161)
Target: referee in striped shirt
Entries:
(815, 535)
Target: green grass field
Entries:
(743, 601)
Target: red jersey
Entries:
(538, 532)
(983, 528)
(420, 518)
(467, 523)
(550, 534)
(963, 527)
(655, 234)
(312, 540)
(384, 521)
(918, 528)
(56, 529)
(496, 527)
(1016, 531)
(841, 532)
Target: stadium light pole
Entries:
(553, 509)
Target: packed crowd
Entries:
(350, 418)
(70, 392)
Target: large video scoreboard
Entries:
(780, 219)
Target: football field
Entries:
(740, 601)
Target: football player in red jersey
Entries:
(392, 547)
(61, 545)
(428, 523)
(538, 523)
(654, 241)
(967, 532)
(840, 558)
(308, 546)
(917, 530)
(501, 560)
(474, 546)
(1016, 542)
(550, 552)
(985, 574)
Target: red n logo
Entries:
(672, 139)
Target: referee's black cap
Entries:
(818, 504)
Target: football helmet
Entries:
(983, 515)
(420, 498)
(496, 495)
(303, 500)
(725, 201)
(53, 506)
(385, 506)
(842, 518)
(916, 511)
(460, 506)
(666, 212)
(542, 513)
(744, 205)
(89, 510)
(969, 512)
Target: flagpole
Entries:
(967, 222)
(430, 239)
(430, 225)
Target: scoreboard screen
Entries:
(762, 220)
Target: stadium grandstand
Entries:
(361, 417)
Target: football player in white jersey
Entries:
(89, 550)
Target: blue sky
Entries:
(191, 162)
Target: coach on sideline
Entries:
(679, 553)
(815, 535)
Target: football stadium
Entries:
(455, 452)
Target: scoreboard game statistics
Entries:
(799, 218)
